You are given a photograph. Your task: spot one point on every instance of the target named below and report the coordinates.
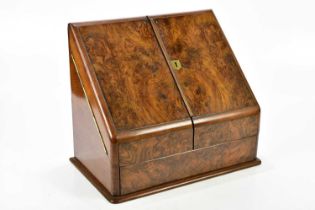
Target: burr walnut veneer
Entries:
(158, 102)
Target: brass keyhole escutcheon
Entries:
(176, 64)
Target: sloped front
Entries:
(133, 74)
(210, 77)
(212, 84)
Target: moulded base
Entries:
(159, 188)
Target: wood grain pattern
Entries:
(210, 78)
(155, 147)
(133, 74)
(162, 187)
(155, 172)
(212, 134)
(92, 89)
(162, 127)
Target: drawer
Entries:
(152, 173)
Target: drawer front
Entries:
(155, 147)
(207, 135)
(155, 172)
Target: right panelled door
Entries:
(221, 104)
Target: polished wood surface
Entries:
(209, 135)
(155, 147)
(140, 125)
(210, 80)
(155, 172)
(133, 74)
(210, 77)
(92, 89)
(159, 188)
(88, 147)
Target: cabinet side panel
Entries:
(88, 147)
(156, 172)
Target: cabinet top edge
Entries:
(137, 18)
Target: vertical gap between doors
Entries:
(168, 61)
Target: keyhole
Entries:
(176, 64)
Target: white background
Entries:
(274, 42)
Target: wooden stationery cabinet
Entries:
(158, 102)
